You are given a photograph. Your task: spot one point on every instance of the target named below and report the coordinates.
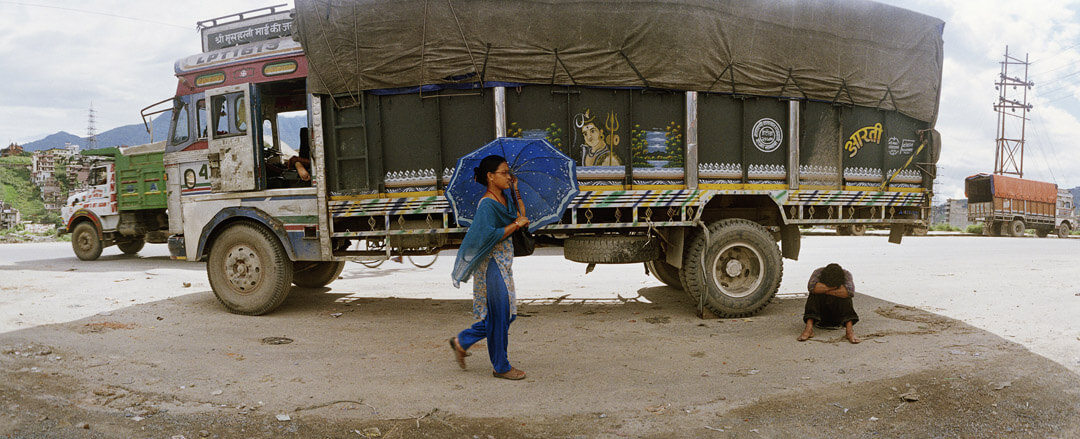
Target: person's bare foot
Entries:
(806, 335)
(852, 338)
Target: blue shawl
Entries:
(486, 230)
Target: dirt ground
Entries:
(369, 367)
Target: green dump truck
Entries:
(124, 205)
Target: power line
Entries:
(86, 11)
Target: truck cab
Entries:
(124, 204)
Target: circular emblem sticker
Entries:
(767, 135)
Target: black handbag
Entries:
(524, 243)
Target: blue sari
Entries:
(484, 241)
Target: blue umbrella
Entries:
(547, 179)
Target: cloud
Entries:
(976, 34)
(57, 58)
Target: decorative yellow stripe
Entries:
(385, 195)
(658, 187)
(722, 186)
(767, 187)
(601, 188)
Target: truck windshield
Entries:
(180, 127)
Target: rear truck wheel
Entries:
(742, 268)
(843, 230)
(131, 246)
(1063, 230)
(316, 274)
(666, 273)
(1042, 232)
(917, 231)
(611, 249)
(249, 270)
(1016, 228)
(858, 229)
(85, 242)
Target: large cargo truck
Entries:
(124, 205)
(705, 132)
(1008, 206)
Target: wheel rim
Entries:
(84, 242)
(737, 270)
(243, 269)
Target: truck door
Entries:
(233, 141)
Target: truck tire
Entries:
(858, 229)
(85, 242)
(131, 246)
(742, 268)
(666, 273)
(1016, 228)
(249, 270)
(843, 230)
(316, 274)
(1063, 230)
(611, 249)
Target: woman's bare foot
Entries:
(852, 338)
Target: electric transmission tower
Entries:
(91, 130)
(1009, 157)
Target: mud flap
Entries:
(790, 240)
(896, 233)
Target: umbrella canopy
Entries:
(547, 179)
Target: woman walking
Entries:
(486, 255)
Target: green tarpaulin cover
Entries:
(848, 51)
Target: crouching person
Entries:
(829, 304)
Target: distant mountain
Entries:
(54, 141)
(135, 134)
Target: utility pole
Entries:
(1009, 157)
(91, 130)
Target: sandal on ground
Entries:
(512, 374)
(459, 352)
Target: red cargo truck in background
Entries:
(1007, 206)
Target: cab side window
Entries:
(229, 115)
(98, 176)
(200, 115)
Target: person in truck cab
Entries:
(829, 304)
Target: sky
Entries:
(59, 58)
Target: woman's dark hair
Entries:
(832, 275)
(488, 164)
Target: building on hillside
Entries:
(43, 169)
(9, 216)
(12, 149)
(956, 214)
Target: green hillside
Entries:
(17, 189)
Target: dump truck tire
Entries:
(612, 249)
(131, 246)
(666, 273)
(249, 270)
(738, 269)
(1063, 230)
(85, 242)
(318, 274)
